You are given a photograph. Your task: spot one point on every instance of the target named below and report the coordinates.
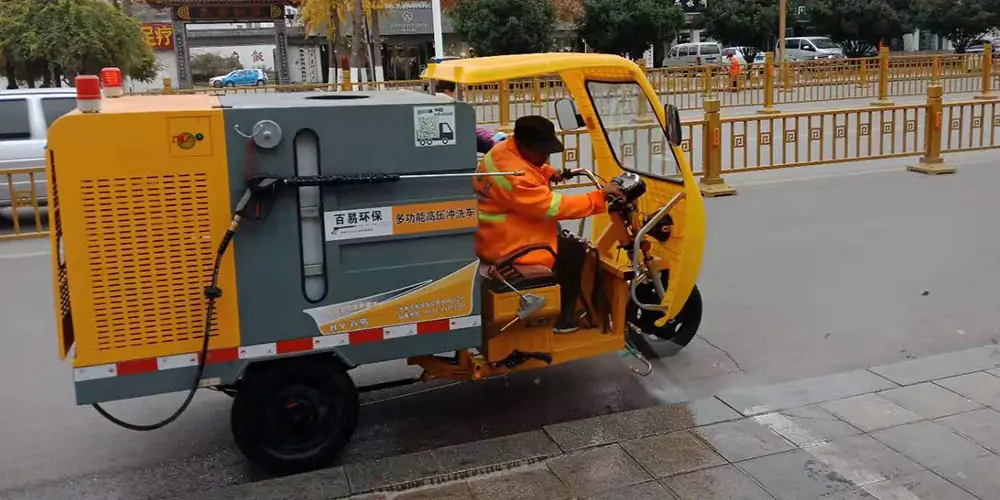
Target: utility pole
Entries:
(438, 29)
(782, 12)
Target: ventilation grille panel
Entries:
(150, 256)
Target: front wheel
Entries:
(295, 416)
(659, 342)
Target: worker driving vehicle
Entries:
(523, 212)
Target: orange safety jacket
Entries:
(515, 212)
(734, 66)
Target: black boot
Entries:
(569, 271)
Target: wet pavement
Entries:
(807, 272)
(924, 429)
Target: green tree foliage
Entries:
(205, 66)
(629, 27)
(961, 21)
(495, 27)
(751, 25)
(859, 25)
(51, 40)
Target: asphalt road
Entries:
(807, 271)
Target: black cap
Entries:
(538, 134)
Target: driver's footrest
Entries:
(518, 358)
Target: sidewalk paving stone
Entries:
(995, 373)
(981, 426)
(817, 424)
(743, 440)
(451, 491)
(538, 483)
(870, 412)
(924, 485)
(392, 471)
(862, 459)
(795, 475)
(534, 445)
(598, 470)
(755, 401)
(635, 424)
(980, 387)
(939, 366)
(718, 483)
(930, 444)
(643, 491)
(979, 477)
(671, 454)
(930, 401)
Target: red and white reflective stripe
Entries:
(274, 349)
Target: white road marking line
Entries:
(27, 255)
(873, 483)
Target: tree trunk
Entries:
(358, 39)
(10, 71)
(333, 46)
(377, 46)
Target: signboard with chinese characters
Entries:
(159, 36)
(228, 13)
(402, 219)
(691, 6)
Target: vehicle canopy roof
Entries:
(492, 69)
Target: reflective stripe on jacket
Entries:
(515, 212)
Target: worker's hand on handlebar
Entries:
(612, 192)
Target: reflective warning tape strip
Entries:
(273, 349)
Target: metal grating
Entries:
(150, 255)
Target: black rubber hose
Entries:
(212, 292)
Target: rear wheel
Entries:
(294, 416)
(658, 342)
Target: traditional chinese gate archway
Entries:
(184, 12)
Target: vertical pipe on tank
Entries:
(314, 285)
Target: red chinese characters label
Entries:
(159, 36)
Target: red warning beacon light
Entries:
(88, 94)
(111, 78)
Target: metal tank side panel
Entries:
(374, 135)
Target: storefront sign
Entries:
(691, 5)
(159, 36)
(228, 13)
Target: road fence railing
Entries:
(717, 146)
(768, 84)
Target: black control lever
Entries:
(567, 174)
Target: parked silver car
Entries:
(25, 116)
(807, 48)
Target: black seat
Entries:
(520, 276)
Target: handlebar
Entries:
(569, 173)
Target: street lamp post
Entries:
(438, 29)
(782, 10)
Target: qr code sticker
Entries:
(427, 127)
(434, 125)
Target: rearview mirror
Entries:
(673, 125)
(567, 115)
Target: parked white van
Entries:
(25, 116)
(693, 54)
(808, 48)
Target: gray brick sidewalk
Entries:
(923, 429)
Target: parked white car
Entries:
(807, 48)
(25, 117)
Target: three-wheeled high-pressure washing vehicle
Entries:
(362, 250)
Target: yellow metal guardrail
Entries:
(717, 146)
(20, 203)
(767, 85)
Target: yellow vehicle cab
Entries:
(362, 247)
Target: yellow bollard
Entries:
(503, 103)
(536, 92)
(935, 70)
(167, 86)
(883, 78)
(987, 72)
(642, 114)
(712, 183)
(863, 76)
(706, 81)
(769, 108)
(931, 162)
